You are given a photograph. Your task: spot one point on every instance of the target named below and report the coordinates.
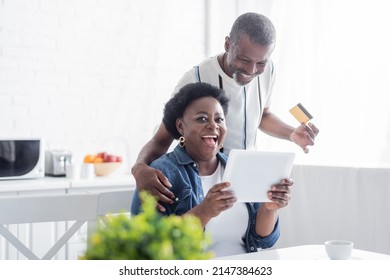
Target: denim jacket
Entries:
(183, 174)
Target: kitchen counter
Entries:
(115, 193)
(61, 183)
(33, 184)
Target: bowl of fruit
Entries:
(104, 163)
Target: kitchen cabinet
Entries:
(41, 236)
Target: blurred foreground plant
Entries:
(149, 236)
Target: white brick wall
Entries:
(93, 75)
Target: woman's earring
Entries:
(221, 148)
(182, 141)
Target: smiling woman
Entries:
(201, 126)
(196, 116)
(203, 131)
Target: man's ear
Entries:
(179, 125)
(227, 43)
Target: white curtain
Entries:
(332, 56)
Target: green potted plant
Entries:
(148, 236)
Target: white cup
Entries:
(72, 171)
(87, 171)
(339, 249)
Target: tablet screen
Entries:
(252, 173)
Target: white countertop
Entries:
(52, 183)
(117, 180)
(304, 252)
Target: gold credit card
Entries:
(300, 113)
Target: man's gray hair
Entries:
(258, 27)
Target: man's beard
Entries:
(237, 72)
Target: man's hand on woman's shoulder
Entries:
(154, 182)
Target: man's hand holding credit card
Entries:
(305, 134)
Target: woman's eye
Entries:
(202, 119)
(220, 120)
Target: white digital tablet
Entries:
(252, 173)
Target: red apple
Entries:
(111, 158)
(105, 157)
(102, 155)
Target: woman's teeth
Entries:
(210, 140)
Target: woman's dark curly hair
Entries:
(176, 106)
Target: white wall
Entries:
(93, 75)
(332, 202)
